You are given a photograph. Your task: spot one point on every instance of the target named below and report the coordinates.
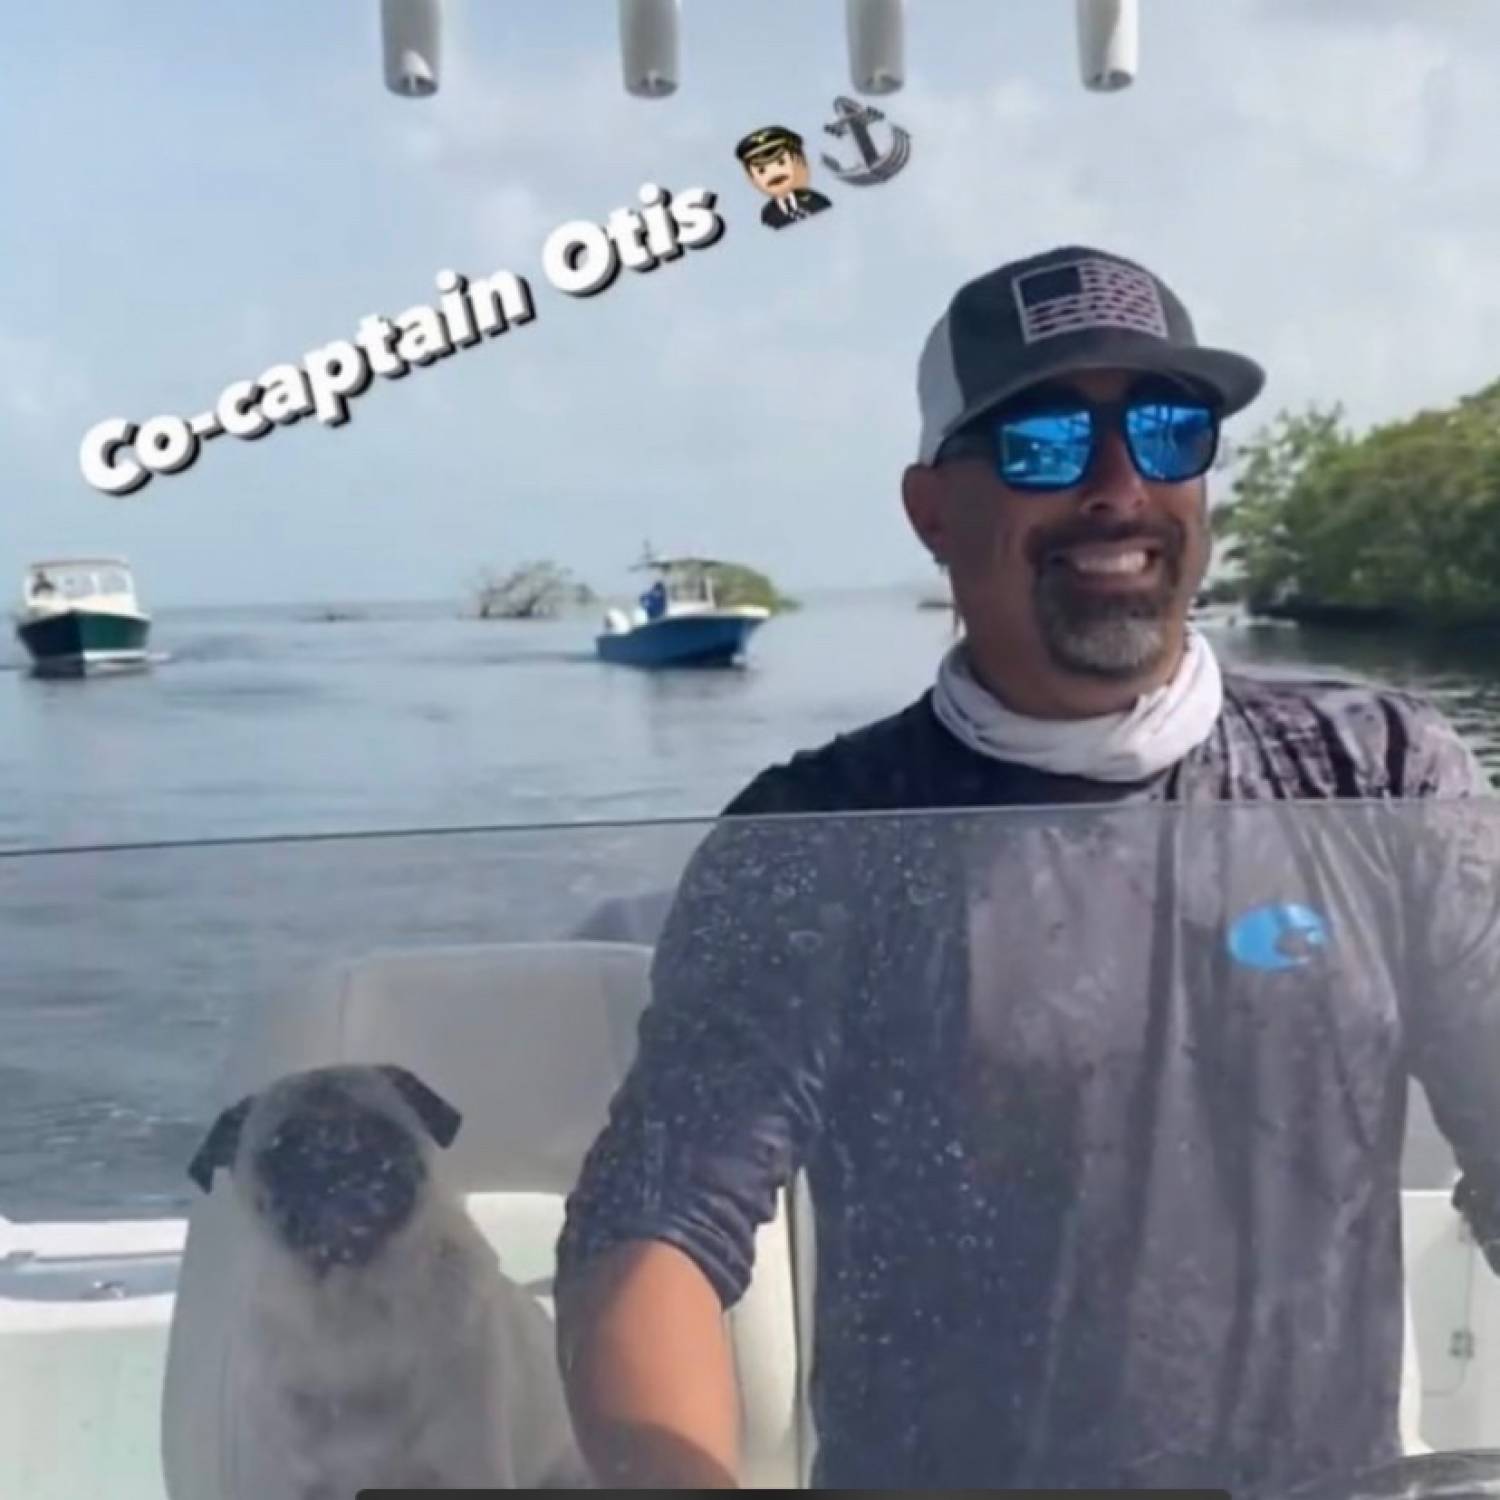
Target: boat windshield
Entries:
(1102, 1146)
(689, 586)
(71, 582)
(683, 582)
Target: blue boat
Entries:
(678, 622)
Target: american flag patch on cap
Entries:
(1088, 293)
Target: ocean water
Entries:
(341, 749)
(275, 721)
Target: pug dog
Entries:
(378, 1343)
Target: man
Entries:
(654, 600)
(1101, 1112)
(776, 163)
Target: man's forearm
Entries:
(648, 1371)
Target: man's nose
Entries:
(1114, 484)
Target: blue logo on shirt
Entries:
(1282, 936)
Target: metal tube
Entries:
(649, 47)
(877, 45)
(1109, 44)
(412, 33)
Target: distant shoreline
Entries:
(1371, 622)
(459, 600)
(1372, 619)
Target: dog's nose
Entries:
(342, 1221)
(327, 1234)
(337, 1187)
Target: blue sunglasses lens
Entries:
(1170, 441)
(1049, 450)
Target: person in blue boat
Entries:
(1102, 1123)
(654, 600)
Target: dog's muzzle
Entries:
(338, 1184)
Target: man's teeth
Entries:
(1114, 562)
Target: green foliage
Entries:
(1403, 522)
(735, 584)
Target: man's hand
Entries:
(648, 1372)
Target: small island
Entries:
(735, 584)
(533, 591)
(1399, 527)
(544, 589)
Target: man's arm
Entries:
(722, 1103)
(1452, 1017)
(648, 1371)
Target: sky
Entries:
(195, 193)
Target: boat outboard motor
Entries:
(877, 45)
(411, 31)
(1109, 44)
(649, 47)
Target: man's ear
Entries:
(922, 496)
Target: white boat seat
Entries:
(1410, 1410)
(627, 919)
(530, 1042)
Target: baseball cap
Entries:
(1072, 308)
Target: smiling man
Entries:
(1103, 1127)
(1069, 419)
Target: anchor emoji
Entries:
(855, 119)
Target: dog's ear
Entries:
(440, 1117)
(220, 1144)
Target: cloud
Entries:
(1447, 16)
(519, 149)
(1324, 197)
(1361, 98)
(38, 381)
(1310, 193)
(1027, 186)
(513, 217)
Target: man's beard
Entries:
(1094, 634)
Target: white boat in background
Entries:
(80, 615)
